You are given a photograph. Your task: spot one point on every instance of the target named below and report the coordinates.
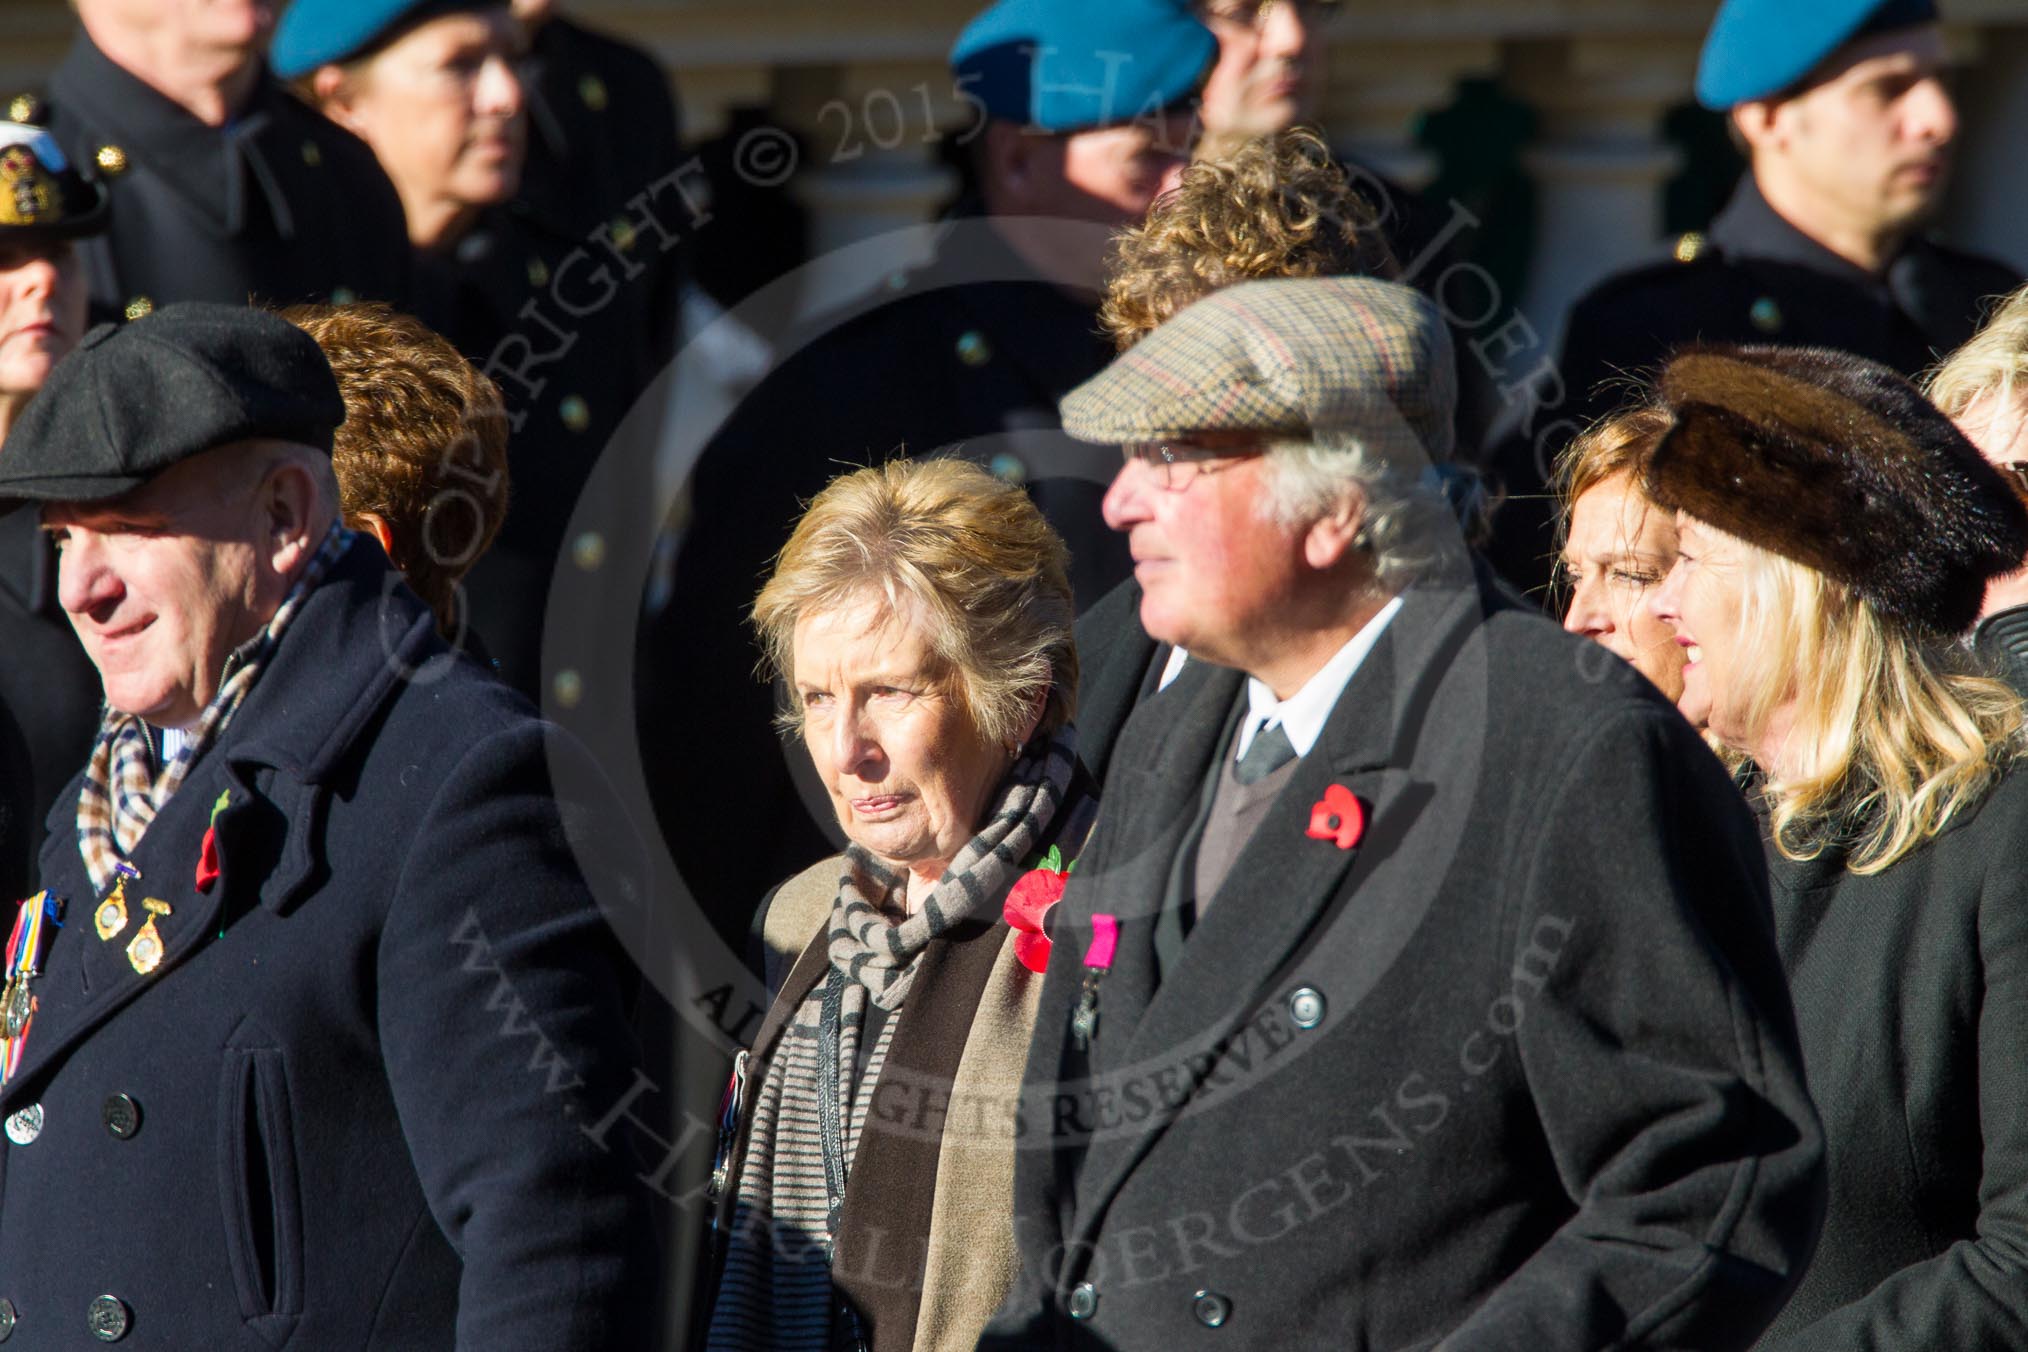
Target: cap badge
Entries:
(28, 193)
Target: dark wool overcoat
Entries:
(1511, 1066)
(345, 1111)
(1116, 668)
(280, 205)
(1911, 995)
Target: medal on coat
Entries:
(145, 952)
(111, 916)
(34, 921)
(1098, 960)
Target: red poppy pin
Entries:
(1337, 817)
(207, 856)
(1028, 906)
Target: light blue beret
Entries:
(1070, 65)
(313, 33)
(1759, 48)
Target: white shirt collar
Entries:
(1303, 714)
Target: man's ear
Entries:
(1007, 162)
(289, 505)
(332, 93)
(1755, 121)
(1335, 535)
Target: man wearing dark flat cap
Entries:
(1842, 110)
(1418, 988)
(224, 187)
(297, 1040)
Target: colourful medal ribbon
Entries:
(25, 947)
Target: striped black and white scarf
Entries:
(122, 788)
(775, 1293)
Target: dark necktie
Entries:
(1270, 751)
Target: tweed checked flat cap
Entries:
(1293, 357)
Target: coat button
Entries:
(108, 1319)
(6, 1320)
(1210, 1308)
(973, 349)
(1083, 1302)
(1306, 1007)
(122, 1116)
(25, 1125)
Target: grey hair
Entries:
(1408, 530)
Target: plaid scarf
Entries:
(122, 789)
(775, 1293)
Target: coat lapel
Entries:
(1147, 809)
(338, 663)
(1284, 881)
(87, 979)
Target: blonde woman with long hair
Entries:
(1835, 536)
(1983, 386)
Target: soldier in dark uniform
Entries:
(556, 320)
(602, 130)
(971, 350)
(1848, 127)
(224, 187)
(49, 693)
(1266, 81)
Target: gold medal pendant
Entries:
(111, 916)
(145, 952)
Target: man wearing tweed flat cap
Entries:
(1353, 1033)
(296, 1042)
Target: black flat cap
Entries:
(136, 398)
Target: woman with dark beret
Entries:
(1835, 536)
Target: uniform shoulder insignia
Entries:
(1689, 245)
(28, 108)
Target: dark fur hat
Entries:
(1842, 465)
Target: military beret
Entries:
(1070, 65)
(1290, 357)
(315, 33)
(1840, 464)
(1757, 49)
(40, 193)
(136, 398)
